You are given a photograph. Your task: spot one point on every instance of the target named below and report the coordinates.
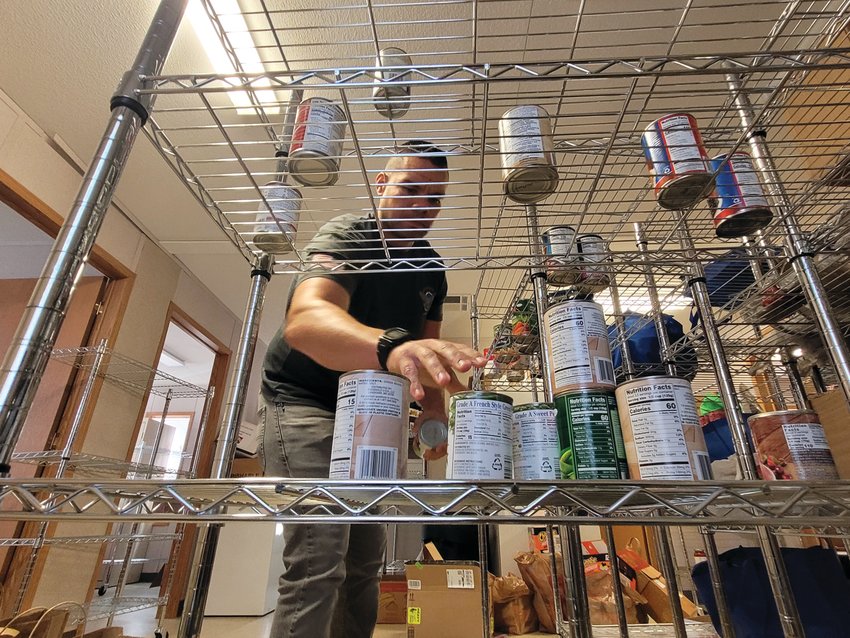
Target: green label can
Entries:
(589, 447)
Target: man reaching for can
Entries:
(340, 319)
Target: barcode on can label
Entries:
(460, 579)
(605, 370)
(702, 463)
(374, 462)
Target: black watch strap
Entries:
(392, 338)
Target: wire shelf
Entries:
(129, 374)
(90, 465)
(100, 608)
(85, 540)
(602, 72)
(578, 502)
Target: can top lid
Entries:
(480, 394)
(375, 373)
(534, 406)
(780, 413)
(654, 377)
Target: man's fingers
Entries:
(407, 366)
(432, 364)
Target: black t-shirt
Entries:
(402, 297)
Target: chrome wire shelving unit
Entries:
(603, 71)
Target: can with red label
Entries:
(317, 139)
(791, 445)
(370, 426)
(277, 218)
(677, 161)
(742, 207)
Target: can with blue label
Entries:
(742, 207)
(677, 161)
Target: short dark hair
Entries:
(429, 151)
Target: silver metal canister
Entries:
(528, 154)
(432, 433)
(370, 426)
(593, 255)
(535, 442)
(561, 249)
(317, 139)
(576, 335)
(391, 100)
(277, 220)
(661, 429)
(480, 443)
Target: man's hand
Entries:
(433, 363)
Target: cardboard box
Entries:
(444, 600)
(834, 417)
(649, 583)
(248, 438)
(246, 467)
(392, 601)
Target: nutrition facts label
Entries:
(657, 432)
(748, 183)
(523, 139)
(577, 336)
(535, 445)
(810, 451)
(315, 126)
(480, 440)
(685, 155)
(590, 451)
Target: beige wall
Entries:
(27, 156)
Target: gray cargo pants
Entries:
(329, 586)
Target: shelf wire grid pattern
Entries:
(603, 74)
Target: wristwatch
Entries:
(392, 338)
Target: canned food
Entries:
(593, 255)
(587, 438)
(742, 207)
(391, 100)
(677, 160)
(370, 426)
(535, 442)
(661, 429)
(791, 445)
(277, 218)
(317, 138)
(561, 250)
(528, 154)
(431, 434)
(480, 445)
(577, 338)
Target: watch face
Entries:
(395, 333)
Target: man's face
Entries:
(411, 190)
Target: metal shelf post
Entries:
(802, 256)
(205, 543)
(27, 357)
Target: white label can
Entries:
(593, 255)
(370, 426)
(661, 429)
(528, 154)
(577, 337)
(277, 220)
(391, 100)
(535, 442)
(480, 443)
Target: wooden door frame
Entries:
(106, 326)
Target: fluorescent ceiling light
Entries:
(233, 22)
(169, 360)
(797, 353)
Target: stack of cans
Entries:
(582, 376)
(575, 260)
(682, 174)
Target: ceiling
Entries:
(64, 59)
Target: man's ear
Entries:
(381, 183)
